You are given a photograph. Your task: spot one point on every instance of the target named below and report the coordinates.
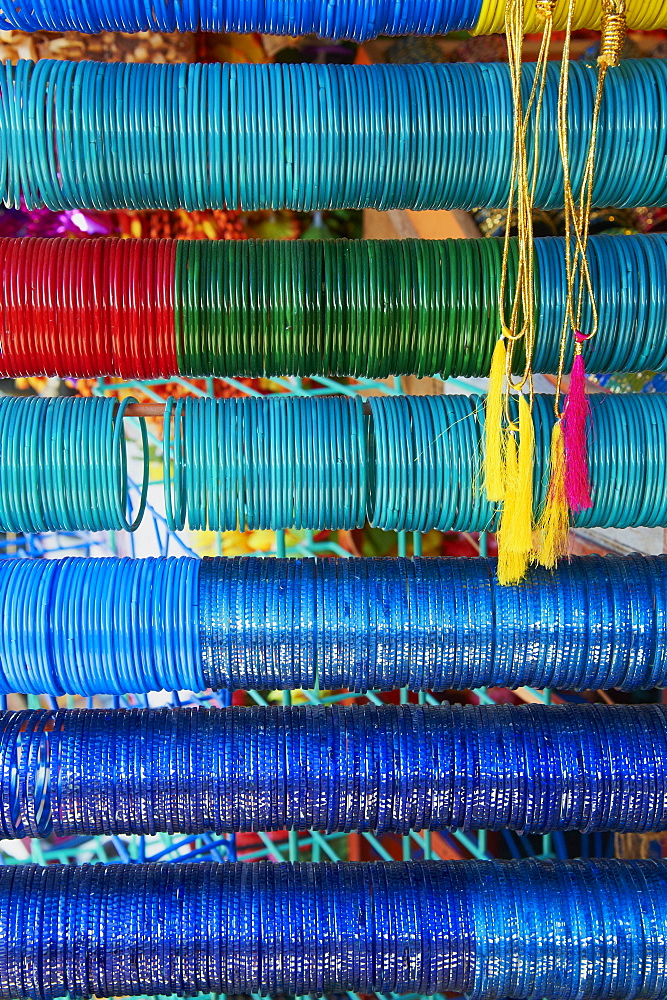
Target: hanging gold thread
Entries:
(523, 188)
(509, 448)
(569, 487)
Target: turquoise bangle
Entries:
(312, 137)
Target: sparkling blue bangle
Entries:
(506, 928)
(532, 769)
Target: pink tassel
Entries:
(575, 416)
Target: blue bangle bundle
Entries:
(115, 626)
(412, 464)
(374, 308)
(574, 930)
(100, 625)
(306, 137)
(63, 465)
(356, 21)
(530, 768)
(432, 624)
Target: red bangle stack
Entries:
(81, 307)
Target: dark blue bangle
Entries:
(486, 929)
(532, 769)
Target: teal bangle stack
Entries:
(412, 463)
(306, 137)
(63, 465)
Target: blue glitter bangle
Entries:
(487, 929)
(92, 772)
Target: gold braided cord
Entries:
(614, 31)
(522, 190)
(577, 216)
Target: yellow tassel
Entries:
(515, 533)
(494, 436)
(554, 524)
(511, 564)
(522, 537)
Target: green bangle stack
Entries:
(338, 307)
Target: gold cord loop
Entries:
(520, 325)
(578, 211)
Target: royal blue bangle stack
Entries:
(432, 624)
(388, 769)
(357, 21)
(574, 930)
(115, 626)
(90, 626)
(413, 463)
(306, 137)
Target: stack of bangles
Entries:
(146, 309)
(338, 769)
(309, 136)
(411, 463)
(402, 463)
(357, 20)
(117, 626)
(575, 930)
(64, 465)
(100, 305)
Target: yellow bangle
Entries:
(491, 18)
(642, 15)
(647, 15)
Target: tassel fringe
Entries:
(494, 433)
(512, 563)
(554, 524)
(524, 495)
(575, 417)
(515, 533)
